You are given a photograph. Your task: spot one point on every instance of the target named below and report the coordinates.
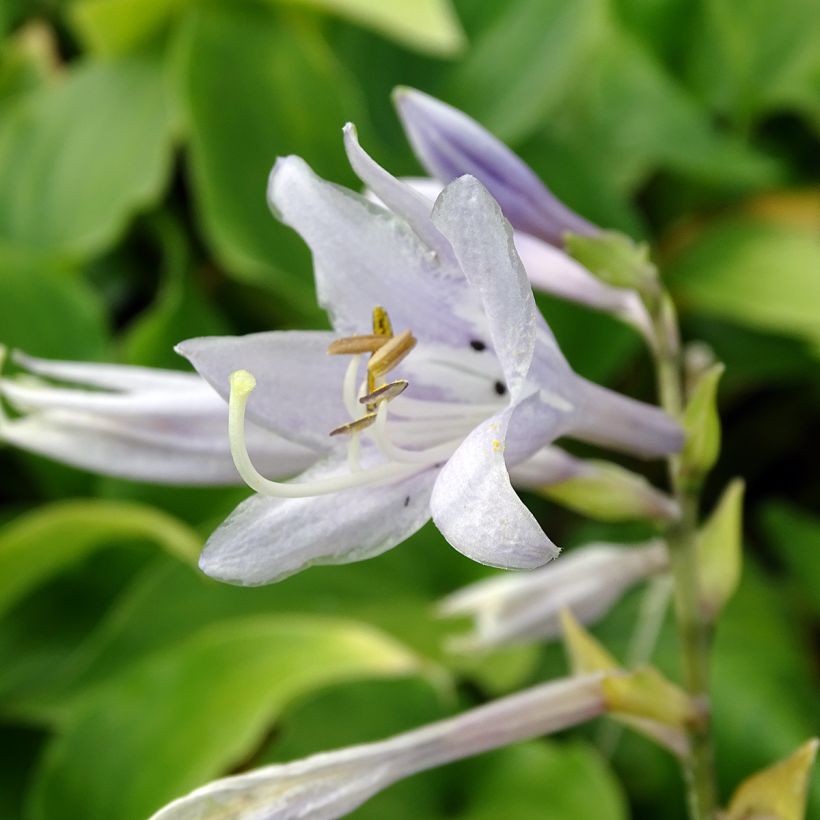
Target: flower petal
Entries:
(363, 256)
(266, 539)
(547, 466)
(396, 195)
(194, 452)
(299, 386)
(553, 271)
(612, 420)
(332, 784)
(482, 240)
(450, 144)
(476, 509)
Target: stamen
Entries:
(394, 453)
(389, 355)
(381, 322)
(349, 387)
(355, 426)
(242, 384)
(353, 449)
(356, 344)
(386, 392)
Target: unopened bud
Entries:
(720, 550)
(778, 792)
(702, 425)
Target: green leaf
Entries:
(746, 60)
(42, 543)
(794, 535)
(112, 27)
(757, 274)
(192, 712)
(47, 311)
(284, 94)
(426, 25)
(520, 69)
(551, 781)
(79, 158)
(180, 311)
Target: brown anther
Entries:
(381, 322)
(387, 392)
(389, 355)
(356, 344)
(354, 426)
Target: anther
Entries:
(356, 344)
(381, 322)
(355, 426)
(387, 392)
(390, 354)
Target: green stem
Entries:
(694, 630)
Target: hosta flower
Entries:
(332, 784)
(512, 609)
(441, 375)
(134, 422)
(449, 144)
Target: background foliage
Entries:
(135, 140)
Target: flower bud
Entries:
(702, 425)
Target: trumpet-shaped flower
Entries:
(134, 422)
(512, 609)
(449, 144)
(332, 784)
(439, 376)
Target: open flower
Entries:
(134, 422)
(441, 376)
(449, 144)
(332, 784)
(512, 609)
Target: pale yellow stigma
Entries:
(243, 383)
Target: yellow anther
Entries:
(390, 354)
(386, 392)
(381, 322)
(354, 426)
(356, 344)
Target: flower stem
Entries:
(695, 632)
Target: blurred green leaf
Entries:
(111, 27)
(625, 105)
(190, 713)
(546, 780)
(747, 57)
(283, 94)
(754, 273)
(180, 311)
(522, 67)
(427, 25)
(46, 311)
(794, 535)
(79, 158)
(41, 543)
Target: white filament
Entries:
(394, 453)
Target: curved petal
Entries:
(364, 255)
(267, 539)
(553, 271)
(449, 144)
(190, 453)
(607, 418)
(109, 376)
(299, 386)
(396, 195)
(476, 509)
(482, 240)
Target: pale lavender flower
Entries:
(134, 422)
(331, 784)
(488, 386)
(449, 144)
(520, 608)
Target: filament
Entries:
(397, 454)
